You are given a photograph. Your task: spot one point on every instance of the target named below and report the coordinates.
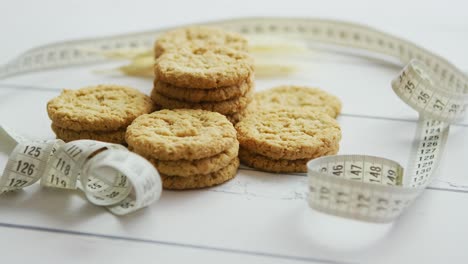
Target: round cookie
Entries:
(203, 95)
(201, 180)
(187, 168)
(203, 68)
(288, 133)
(180, 134)
(282, 165)
(201, 36)
(227, 107)
(297, 96)
(98, 108)
(116, 136)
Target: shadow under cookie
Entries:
(236, 117)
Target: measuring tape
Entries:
(108, 174)
(355, 186)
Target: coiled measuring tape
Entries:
(355, 186)
(108, 174)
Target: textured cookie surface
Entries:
(117, 136)
(201, 180)
(187, 168)
(98, 108)
(236, 117)
(281, 165)
(180, 134)
(297, 96)
(204, 68)
(224, 107)
(203, 95)
(199, 36)
(288, 133)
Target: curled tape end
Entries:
(121, 180)
(110, 175)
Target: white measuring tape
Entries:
(355, 186)
(109, 174)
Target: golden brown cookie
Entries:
(236, 117)
(288, 133)
(116, 136)
(226, 107)
(199, 36)
(264, 163)
(204, 68)
(187, 168)
(180, 134)
(297, 96)
(98, 108)
(201, 180)
(203, 95)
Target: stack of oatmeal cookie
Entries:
(287, 126)
(100, 112)
(190, 148)
(203, 68)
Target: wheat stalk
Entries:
(273, 58)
